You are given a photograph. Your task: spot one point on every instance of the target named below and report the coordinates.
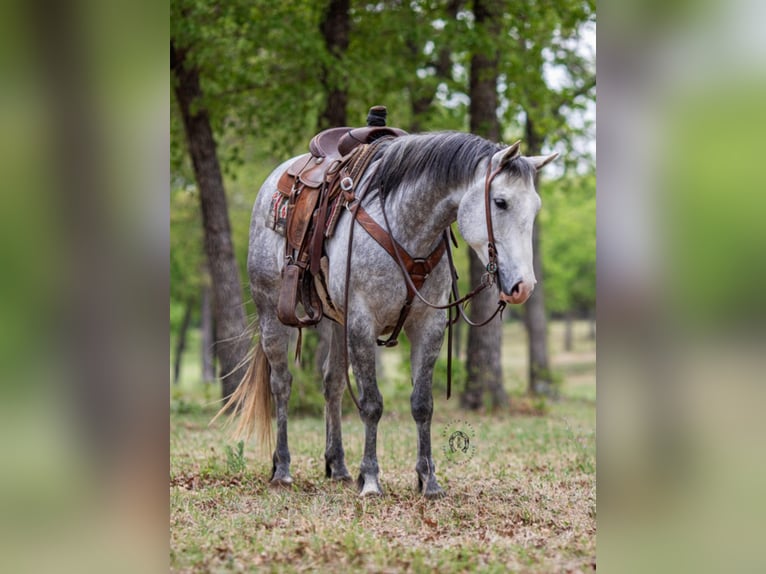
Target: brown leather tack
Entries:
(285, 184)
(299, 215)
(299, 164)
(288, 295)
(368, 134)
(325, 143)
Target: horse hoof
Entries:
(435, 494)
(370, 492)
(430, 489)
(368, 486)
(343, 479)
(339, 473)
(283, 482)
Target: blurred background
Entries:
(91, 120)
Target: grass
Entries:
(524, 502)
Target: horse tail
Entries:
(251, 402)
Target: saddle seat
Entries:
(337, 142)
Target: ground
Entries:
(522, 498)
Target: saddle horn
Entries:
(377, 116)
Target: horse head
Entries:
(501, 205)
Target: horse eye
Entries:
(501, 204)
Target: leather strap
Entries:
(492, 266)
(417, 270)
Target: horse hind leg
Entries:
(334, 386)
(274, 339)
(426, 341)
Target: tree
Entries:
(483, 363)
(231, 323)
(542, 38)
(186, 260)
(335, 27)
(235, 70)
(569, 249)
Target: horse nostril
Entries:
(516, 288)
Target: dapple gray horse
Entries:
(425, 182)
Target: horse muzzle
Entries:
(519, 293)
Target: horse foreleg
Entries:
(362, 352)
(275, 341)
(426, 338)
(334, 385)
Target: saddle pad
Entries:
(277, 219)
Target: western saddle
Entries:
(316, 186)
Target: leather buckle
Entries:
(347, 184)
(421, 267)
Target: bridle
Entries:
(493, 268)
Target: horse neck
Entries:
(419, 214)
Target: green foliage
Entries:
(540, 404)
(410, 61)
(709, 208)
(186, 249)
(184, 406)
(569, 243)
(546, 75)
(258, 64)
(306, 397)
(235, 460)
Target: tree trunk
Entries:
(540, 382)
(483, 363)
(181, 342)
(484, 343)
(230, 320)
(568, 331)
(535, 320)
(421, 93)
(335, 28)
(208, 337)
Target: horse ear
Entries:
(541, 160)
(507, 154)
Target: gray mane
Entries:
(446, 158)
